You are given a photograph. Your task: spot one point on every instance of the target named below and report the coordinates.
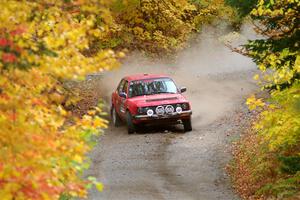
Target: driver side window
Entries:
(121, 85)
(125, 87)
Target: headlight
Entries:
(150, 112)
(185, 106)
(142, 110)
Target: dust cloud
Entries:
(216, 78)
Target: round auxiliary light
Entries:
(160, 110)
(150, 112)
(169, 109)
(179, 110)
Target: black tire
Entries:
(131, 127)
(116, 120)
(187, 125)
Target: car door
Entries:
(119, 101)
(116, 96)
(122, 99)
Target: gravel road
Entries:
(163, 162)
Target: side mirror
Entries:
(183, 89)
(123, 95)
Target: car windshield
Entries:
(152, 86)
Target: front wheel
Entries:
(131, 127)
(187, 124)
(116, 120)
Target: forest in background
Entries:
(44, 43)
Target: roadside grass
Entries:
(260, 175)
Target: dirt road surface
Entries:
(163, 162)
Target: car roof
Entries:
(144, 76)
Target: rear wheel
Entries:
(116, 120)
(187, 124)
(131, 127)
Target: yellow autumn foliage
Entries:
(269, 156)
(43, 146)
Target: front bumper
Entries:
(173, 115)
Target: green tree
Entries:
(270, 159)
(243, 7)
(278, 22)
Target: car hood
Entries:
(157, 99)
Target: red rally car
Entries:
(149, 99)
